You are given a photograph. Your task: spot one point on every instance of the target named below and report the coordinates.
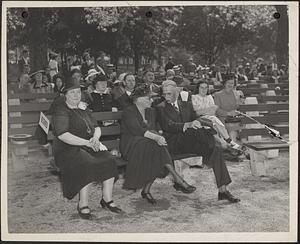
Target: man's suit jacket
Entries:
(171, 121)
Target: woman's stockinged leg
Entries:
(84, 198)
(108, 189)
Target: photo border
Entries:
(291, 236)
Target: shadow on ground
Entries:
(36, 205)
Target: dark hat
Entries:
(70, 85)
(141, 91)
(58, 75)
(100, 77)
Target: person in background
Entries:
(179, 79)
(275, 76)
(247, 70)
(58, 81)
(144, 148)
(92, 73)
(24, 84)
(241, 76)
(224, 73)
(122, 94)
(53, 65)
(170, 74)
(185, 134)
(228, 101)
(87, 64)
(79, 154)
(24, 60)
(101, 98)
(13, 73)
(170, 64)
(37, 79)
(149, 78)
(253, 75)
(191, 67)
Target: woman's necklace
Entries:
(78, 114)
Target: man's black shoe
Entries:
(227, 196)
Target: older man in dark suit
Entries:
(185, 134)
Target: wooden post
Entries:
(257, 163)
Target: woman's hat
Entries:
(100, 77)
(36, 72)
(70, 85)
(91, 72)
(142, 91)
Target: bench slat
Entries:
(269, 119)
(32, 95)
(107, 115)
(278, 98)
(25, 118)
(26, 107)
(264, 107)
(263, 132)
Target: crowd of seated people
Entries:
(159, 120)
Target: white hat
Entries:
(91, 72)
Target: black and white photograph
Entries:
(149, 121)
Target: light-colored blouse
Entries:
(200, 102)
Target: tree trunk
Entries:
(37, 36)
(136, 59)
(282, 35)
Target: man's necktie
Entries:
(175, 107)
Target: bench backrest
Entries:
(276, 115)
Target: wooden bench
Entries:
(23, 116)
(276, 115)
(110, 135)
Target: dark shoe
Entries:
(188, 189)
(107, 205)
(84, 215)
(149, 197)
(228, 196)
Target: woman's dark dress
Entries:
(78, 166)
(101, 102)
(146, 159)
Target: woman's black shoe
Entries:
(107, 205)
(84, 215)
(149, 197)
(188, 189)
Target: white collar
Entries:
(105, 92)
(175, 103)
(128, 92)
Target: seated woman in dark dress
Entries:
(144, 148)
(80, 156)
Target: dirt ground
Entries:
(36, 205)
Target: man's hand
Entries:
(195, 124)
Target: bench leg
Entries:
(19, 157)
(257, 163)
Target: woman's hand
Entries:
(161, 141)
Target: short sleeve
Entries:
(194, 102)
(60, 121)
